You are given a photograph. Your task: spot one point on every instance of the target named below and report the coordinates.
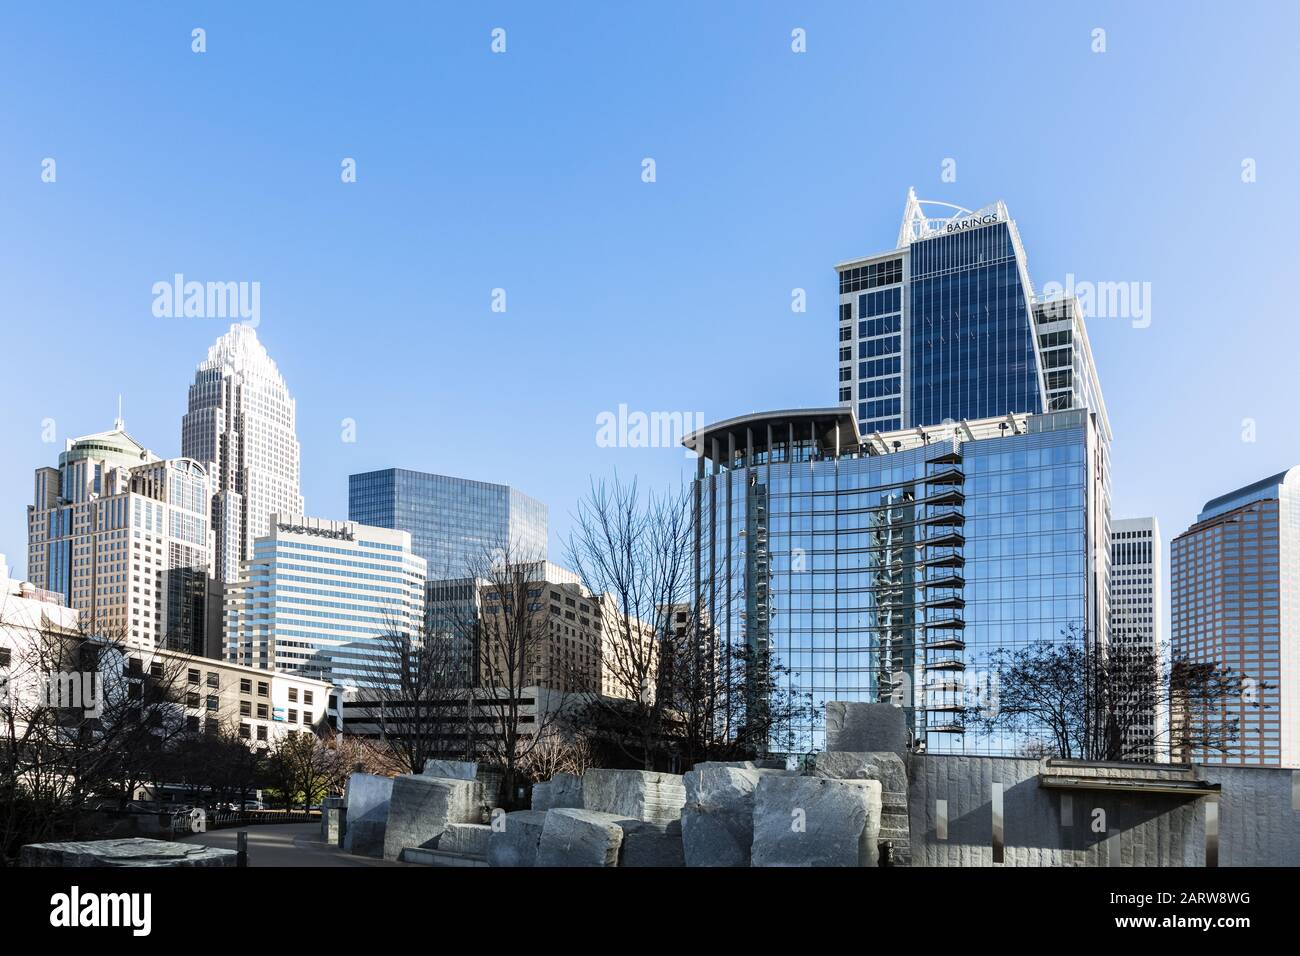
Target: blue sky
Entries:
(522, 171)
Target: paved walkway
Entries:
(285, 844)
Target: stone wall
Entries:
(1137, 826)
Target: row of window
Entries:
(871, 276)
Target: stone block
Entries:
(421, 808)
(466, 839)
(515, 838)
(635, 794)
(133, 852)
(712, 837)
(651, 844)
(863, 728)
(562, 790)
(889, 770)
(815, 821)
(368, 797)
(572, 837)
(718, 820)
(451, 769)
(333, 824)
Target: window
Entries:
(191, 699)
(307, 697)
(261, 711)
(245, 686)
(5, 656)
(261, 732)
(194, 675)
(213, 703)
(245, 732)
(293, 695)
(214, 679)
(263, 689)
(245, 709)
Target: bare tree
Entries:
(521, 689)
(354, 754)
(635, 551)
(81, 718)
(556, 751)
(1076, 700)
(416, 691)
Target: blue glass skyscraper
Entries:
(454, 523)
(954, 505)
(893, 571)
(946, 327)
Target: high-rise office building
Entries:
(242, 419)
(890, 567)
(316, 598)
(946, 326)
(455, 524)
(124, 537)
(1137, 618)
(1235, 601)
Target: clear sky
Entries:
(523, 171)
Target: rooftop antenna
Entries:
(118, 424)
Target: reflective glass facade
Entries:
(945, 327)
(892, 576)
(972, 342)
(453, 522)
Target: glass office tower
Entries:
(946, 327)
(454, 523)
(1235, 601)
(888, 568)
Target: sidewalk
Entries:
(286, 844)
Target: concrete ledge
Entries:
(427, 857)
(133, 852)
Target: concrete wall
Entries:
(1049, 827)
(1258, 825)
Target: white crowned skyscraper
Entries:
(241, 419)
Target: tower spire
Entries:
(118, 423)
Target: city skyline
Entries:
(401, 270)
(678, 437)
